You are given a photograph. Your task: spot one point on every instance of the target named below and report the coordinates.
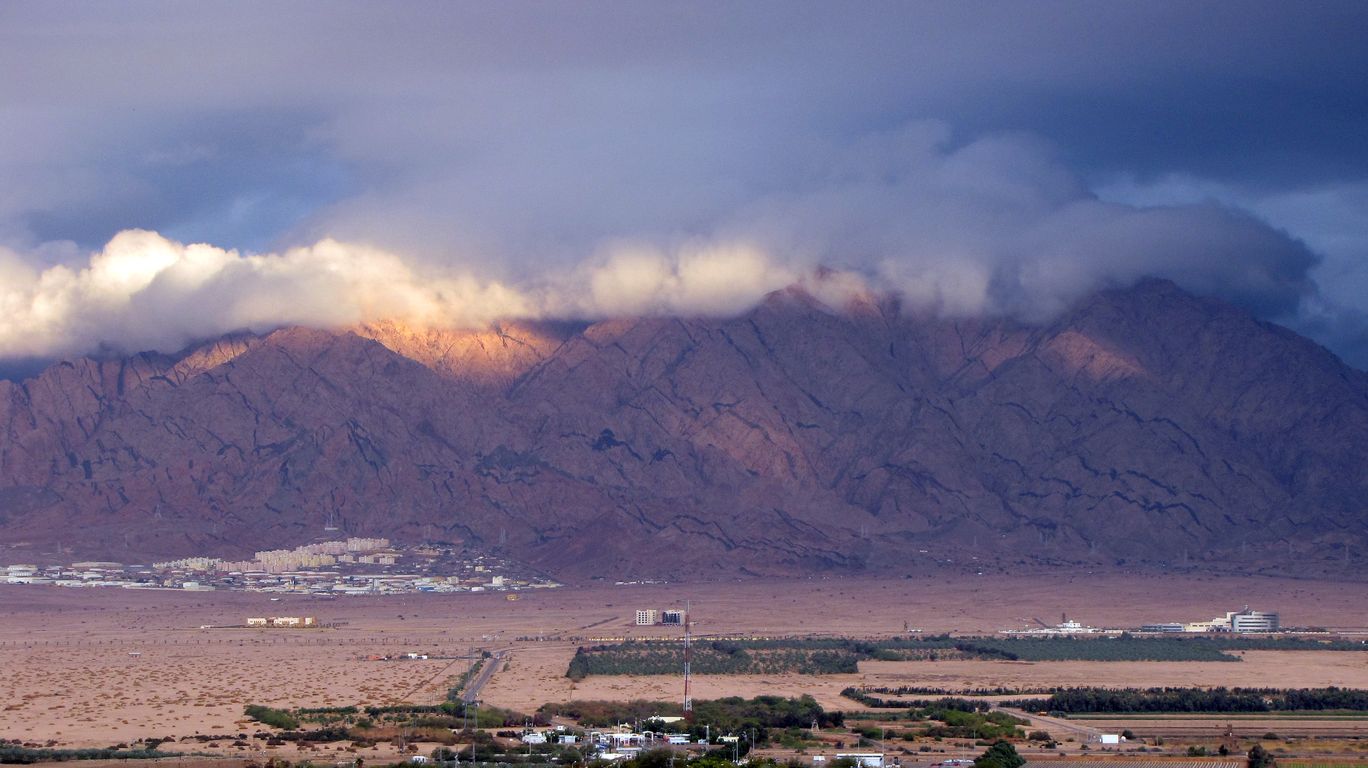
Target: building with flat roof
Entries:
(864, 759)
(1166, 627)
(1253, 621)
(646, 617)
(1246, 620)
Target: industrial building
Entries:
(648, 616)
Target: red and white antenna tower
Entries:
(688, 660)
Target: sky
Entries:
(172, 171)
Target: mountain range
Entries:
(1144, 427)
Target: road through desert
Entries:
(93, 667)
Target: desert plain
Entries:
(96, 667)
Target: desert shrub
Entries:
(276, 718)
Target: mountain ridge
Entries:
(1143, 427)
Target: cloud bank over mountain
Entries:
(992, 227)
(455, 163)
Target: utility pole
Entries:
(688, 660)
(474, 735)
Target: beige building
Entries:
(283, 621)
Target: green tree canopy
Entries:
(1000, 755)
(1260, 758)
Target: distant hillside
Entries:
(1146, 426)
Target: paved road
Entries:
(472, 692)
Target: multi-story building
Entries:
(1246, 620)
(1253, 621)
(646, 616)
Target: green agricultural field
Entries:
(820, 656)
(1199, 700)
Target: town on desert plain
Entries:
(95, 669)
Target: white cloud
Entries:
(145, 291)
(994, 226)
(706, 279)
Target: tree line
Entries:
(1089, 700)
(836, 655)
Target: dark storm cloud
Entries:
(948, 150)
(236, 177)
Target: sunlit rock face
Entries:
(488, 357)
(1144, 425)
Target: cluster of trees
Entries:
(457, 715)
(322, 735)
(276, 718)
(904, 690)
(1127, 647)
(1108, 648)
(1081, 700)
(729, 715)
(763, 712)
(356, 723)
(833, 655)
(959, 718)
(1260, 758)
(1000, 755)
(959, 724)
(325, 715)
(605, 713)
(718, 658)
(865, 697)
(14, 754)
(1238, 643)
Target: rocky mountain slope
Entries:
(1144, 426)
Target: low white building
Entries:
(864, 759)
(620, 740)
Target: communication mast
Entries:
(1228, 740)
(688, 659)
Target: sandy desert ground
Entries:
(68, 670)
